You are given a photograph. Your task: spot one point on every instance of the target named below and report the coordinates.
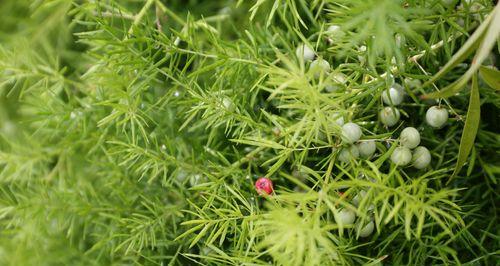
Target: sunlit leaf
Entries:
(490, 76)
(471, 127)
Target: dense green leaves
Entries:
(483, 40)
(132, 132)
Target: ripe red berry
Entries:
(263, 185)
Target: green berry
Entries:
(421, 157)
(389, 116)
(413, 83)
(305, 52)
(333, 28)
(409, 137)
(345, 217)
(393, 96)
(436, 117)
(338, 80)
(367, 229)
(335, 31)
(367, 148)
(351, 132)
(357, 199)
(401, 156)
(338, 118)
(348, 154)
(319, 67)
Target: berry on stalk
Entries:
(348, 154)
(389, 116)
(338, 118)
(335, 31)
(351, 132)
(345, 217)
(409, 137)
(319, 66)
(421, 157)
(305, 52)
(394, 95)
(338, 81)
(436, 116)
(367, 229)
(367, 148)
(401, 156)
(264, 185)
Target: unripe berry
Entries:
(436, 117)
(346, 217)
(338, 118)
(367, 229)
(358, 198)
(413, 83)
(319, 67)
(393, 95)
(305, 52)
(367, 148)
(335, 32)
(401, 156)
(338, 81)
(421, 157)
(264, 185)
(409, 138)
(351, 132)
(348, 154)
(333, 28)
(389, 116)
(181, 175)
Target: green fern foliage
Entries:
(133, 132)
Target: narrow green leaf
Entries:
(189, 231)
(484, 37)
(449, 90)
(408, 218)
(200, 234)
(471, 127)
(469, 46)
(271, 13)
(420, 224)
(386, 155)
(490, 76)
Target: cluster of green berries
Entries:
(347, 217)
(389, 116)
(408, 152)
(409, 139)
(402, 155)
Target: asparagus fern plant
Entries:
(133, 132)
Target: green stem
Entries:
(139, 16)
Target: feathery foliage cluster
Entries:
(132, 132)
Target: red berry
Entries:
(263, 185)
